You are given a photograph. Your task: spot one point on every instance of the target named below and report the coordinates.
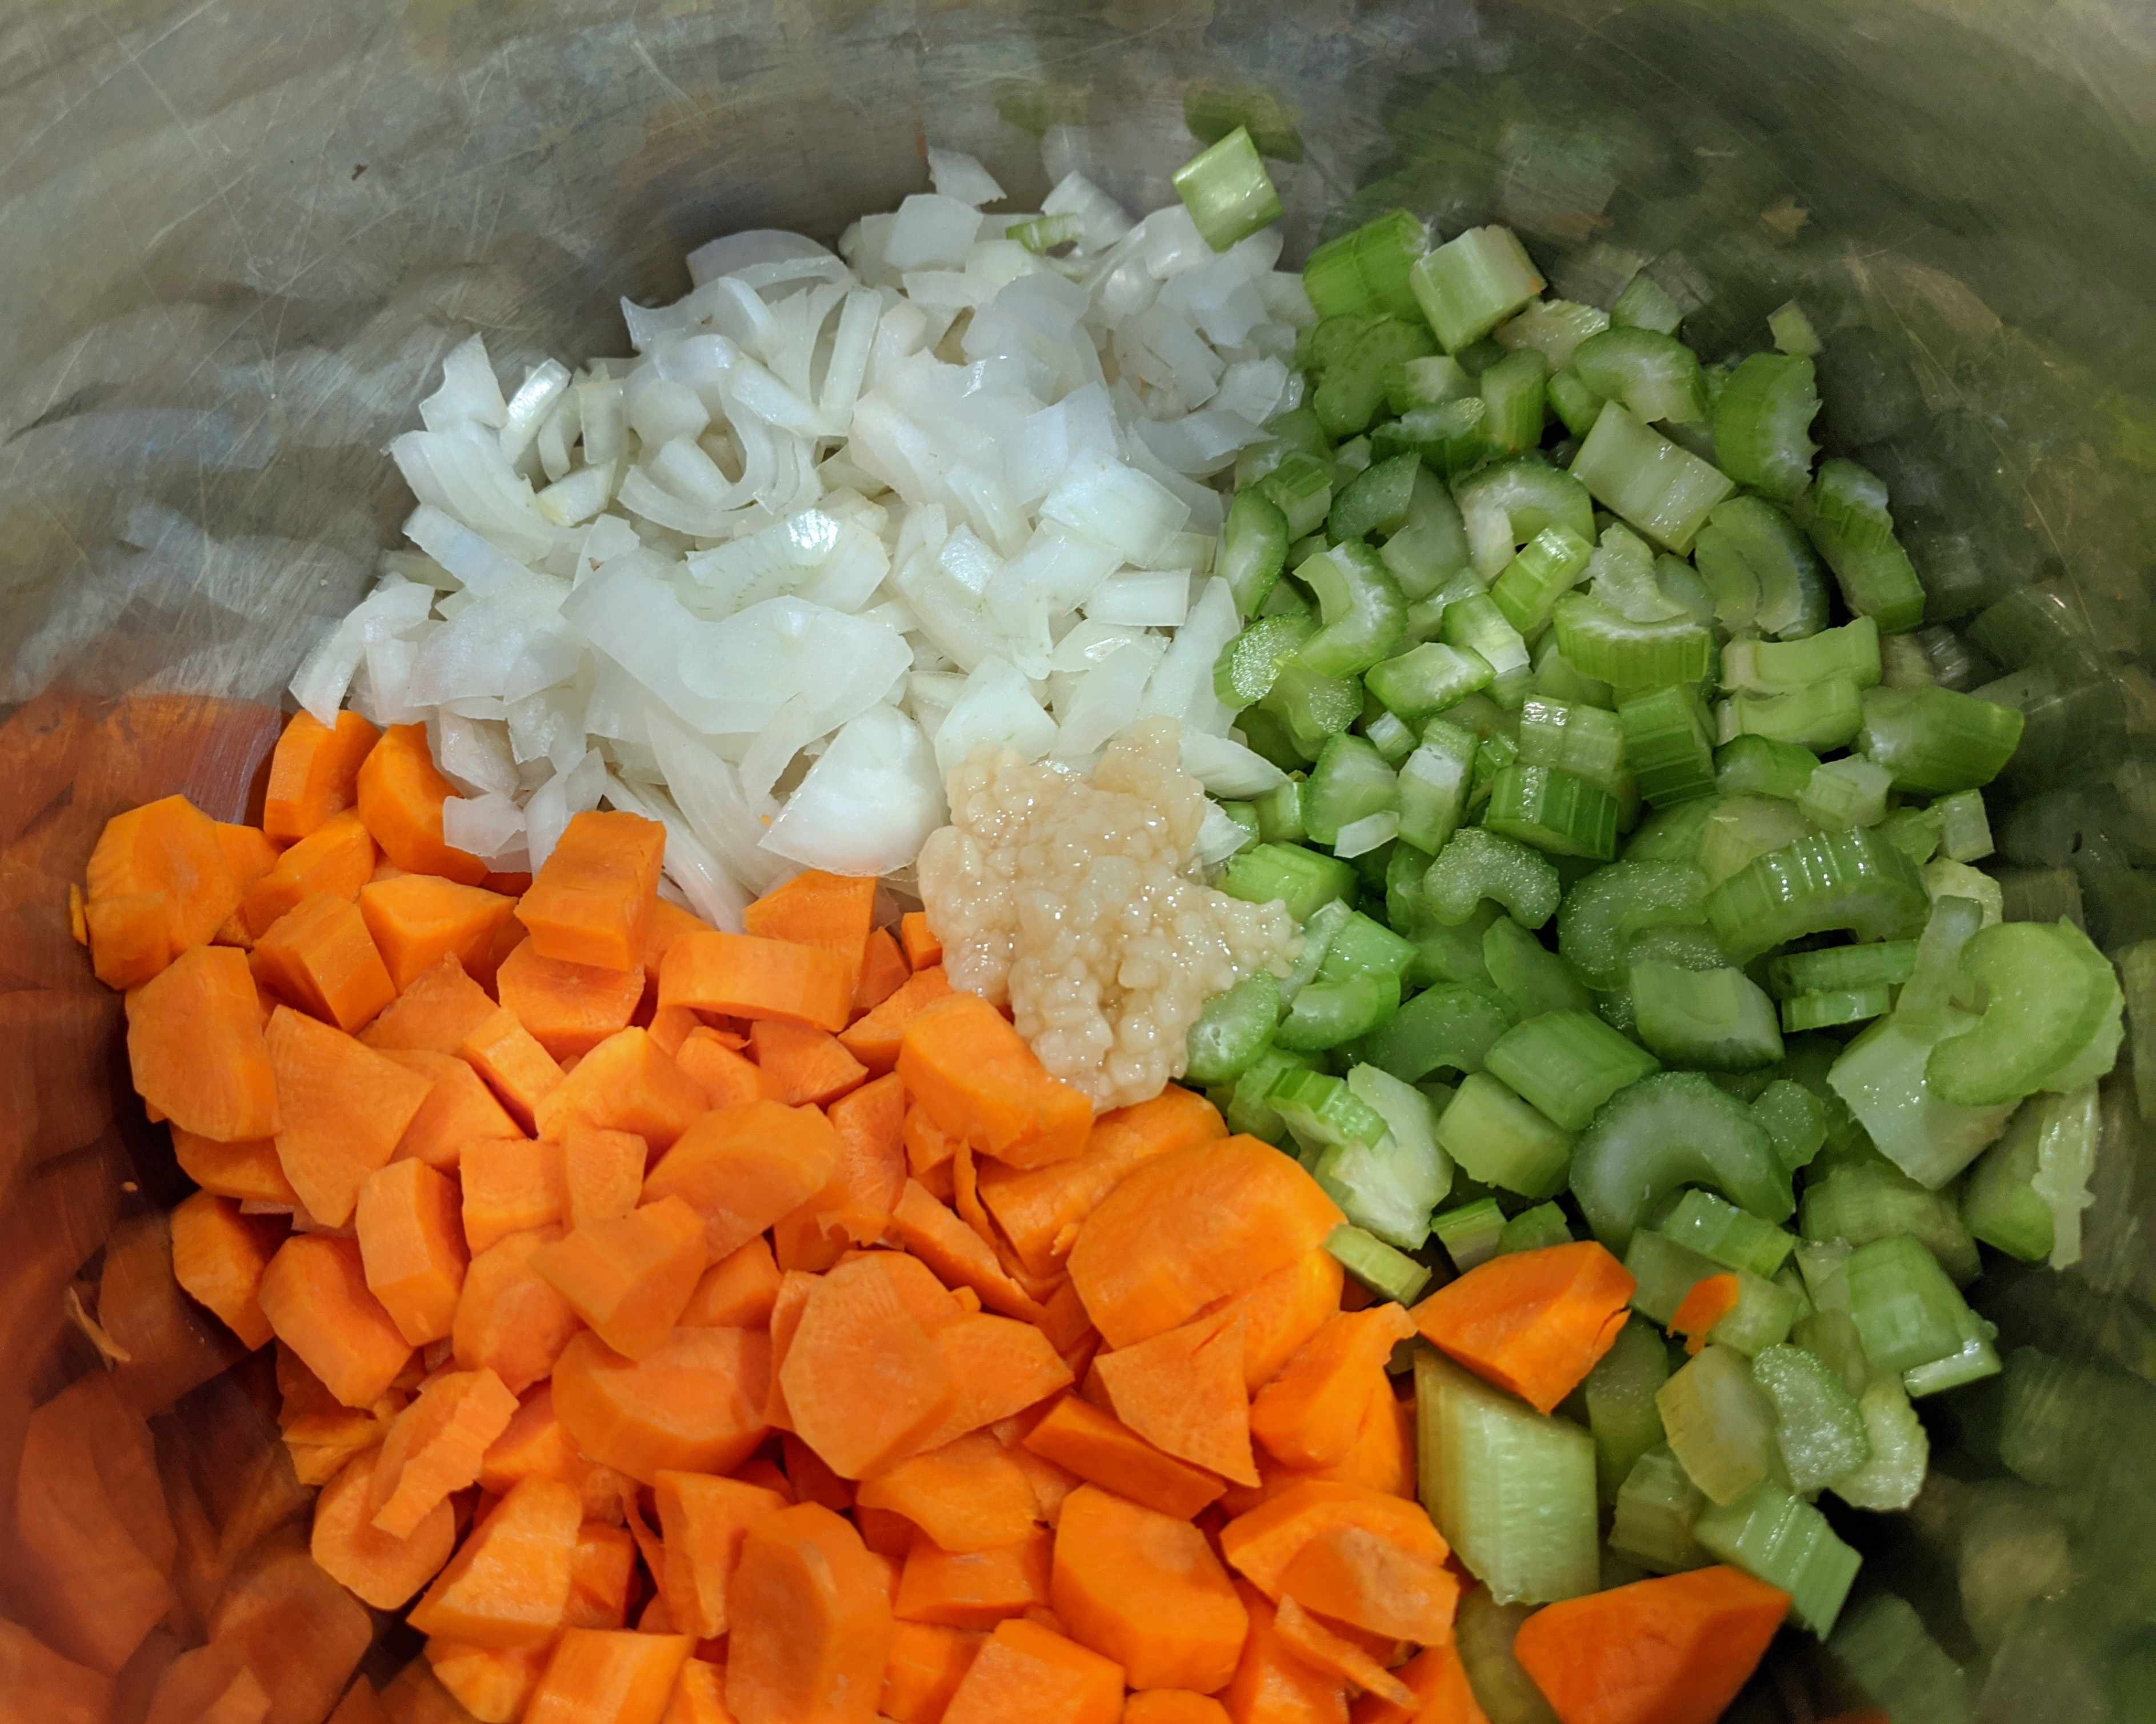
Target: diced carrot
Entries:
(384, 1569)
(1040, 1211)
(1534, 1322)
(1173, 1705)
(1106, 1452)
(246, 1171)
(1670, 1650)
(744, 1166)
(786, 1304)
(412, 1242)
(1381, 1459)
(520, 1073)
(625, 1085)
(437, 1445)
(975, 1590)
(1272, 1683)
(622, 1677)
(670, 1027)
(591, 902)
(694, 1404)
(314, 1294)
(808, 1065)
(1335, 1654)
(871, 1174)
(509, 1316)
(489, 1681)
(511, 1185)
(928, 1150)
(1310, 1414)
(741, 976)
(43, 1686)
(669, 922)
(169, 847)
(926, 1665)
(218, 1255)
(1438, 1693)
(320, 957)
(601, 1173)
(400, 795)
(801, 1238)
(704, 1520)
(249, 852)
(736, 1292)
(853, 1319)
(812, 1624)
(808, 1479)
(314, 773)
(978, 1079)
(1145, 1590)
(1192, 1226)
(967, 1496)
(196, 1047)
(700, 1695)
(459, 1109)
(435, 1013)
(337, 857)
(829, 911)
(629, 1277)
(130, 937)
(1063, 1318)
(416, 1695)
(1025, 1671)
(417, 920)
(1183, 1391)
(1260, 1545)
(344, 1107)
(1000, 1367)
(534, 1445)
(509, 1584)
(883, 971)
(956, 1253)
(1357, 1575)
(601, 1574)
(922, 948)
(1711, 1299)
(570, 1008)
(727, 1078)
(876, 1037)
(211, 1683)
(302, 1633)
(1282, 1311)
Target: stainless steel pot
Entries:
(240, 237)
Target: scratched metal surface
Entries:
(239, 234)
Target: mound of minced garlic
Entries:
(1083, 904)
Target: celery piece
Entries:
(1884, 1646)
(1376, 502)
(1720, 1424)
(1472, 282)
(1474, 624)
(1645, 304)
(1760, 424)
(1840, 880)
(1845, 794)
(1553, 328)
(1908, 1312)
(1664, 490)
(1791, 330)
(1362, 946)
(1447, 437)
(1470, 1232)
(1427, 679)
(1602, 642)
(1301, 879)
(1280, 814)
(1351, 387)
(1575, 404)
(1301, 487)
(1512, 1490)
(1553, 811)
(1734, 1238)
(1327, 1014)
(1391, 736)
(1881, 1075)
(2065, 1157)
(1965, 831)
(1667, 743)
(1513, 401)
(1567, 1065)
(1375, 1265)
(1431, 547)
(1250, 1108)
(1605, 911)
(1532, 1229)
(1901, 1452)
(1533, 978)
(1501, 1140)
(1250, 663)
(1881, 964)
(1818, 1425)
(1935, 740)
(1434, 782)
(1043, 233)
(1510, 503)
(1846, 514)
(1312, 707)
(1420, 1162)
(1450, 1027)
(1913, 831)
(1621, 1413)
(1784, 667)
(1670, 1129)
(1253, 549)
(1362, 610)
(1483, 1635)
(1245, 815)
(1233, 1029)
(1666, 1272)
(1794, 1118)
(1321, 1110)
(1657, 1507)
(1584, 740)
(1227, 191)
(1378, 1186)
(1864, 1201)
(1367, 269)
(1546, 568)
(1793, 591)
(1830, 1335)
(1737, 830)
(1654, 375)
(1783, 1540)
(1477, 864)
(2000, 1204)
(1830, 1008)
(1426, 382)
(1759, 766)
(1349, 781)
(1826, 715)
(2048, 992)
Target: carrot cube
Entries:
(1104, 1451)
(624, 1085)
(601, 1173)
(345, 1107)
(736, 1292)
(509, 1316)
(534, 1445)
(741, 976)
(248, 1170)
(623, 1677)
(1309, 1415)
(196, 1047)
(727, 1078)
(743, 1168)
(810, 1066)
(130, 937)
(417, 920)
(703, 1521)
(437, 1445)
(591, 902)
(1123, 1574)
(314, 773)
(508, 1585)
(883, 971)
(314, 1294)
(337, 857)
(400, 796)
(875, 1037)
(927, 1663)
(811, 1623)
(831, 910)
(1025, 1671)
(171, 847)
(487, 1681)
(694, 1404)
(979, 1081)
(381, 1568)
(320, 956)
(1534, 1322)
(218, 1255)
(922, 948)
(459, 1109)
(516, 1067)
(630, 1277)
(570, 1008)
(433, 1014)
(510, 1185)
(412, 1242)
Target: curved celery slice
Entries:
(1253, 549)
(1737, 830)
(1846, 514)
(1653, 374)
(1657, 1507)
(1881, 1075)
(1477, 864)
(1427, 679)
(1472, 282)
(1665, 491)
(1720, 1424)
(1780, 667)
(1250, 663)
(1351, 388)
(1600, 642)
(1884, 963)
(1826, 715)
(1734, 1238)
(1361, 609)
(1448, 1028)
(1670, 834)
(2047, 991)
(1863, 1201)
(1531, 978)
(1794, 1118)
(1673, 1129)
(1327, 1013)
(1901, 1452)
(1349, 781)
(1553, 811)
(1604, 912)
(1620, 1392)
(1715, 1020)
(1234, 1027)
(1748, 765)
(1567, 1064)
(1500, 1139)
(1783, 1540)
(1935, 740)
(1837, 880)
(1432, 547)
(1389, 1273)
(1760, 424)
(1820, 1427)
(1510, 503)
(1999, 1204)
(1666, 742)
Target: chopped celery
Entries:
(1375, 1265)
(1367, 268)
(1783, 1540)
(1512, 1490)
(1553, 328)
(1532, 1229)
(1818, 1425)
(1846, 514)
(1477, 864)
(1363, 611)
(1434, 782)
(1645, 304)
(1474, 624)
(1427, 679)
(1673, 1129)
(1450, 1027)
(1664, 490)
(1327, 1014)
(1748, 765)
(1280, 814)
(1783, 667)
(1349, 781)
(1761, 422)
(1847, 792)
(1666, 742)
(1426, 382)
(1547, 567)
(1794, 1118)
(1965, 831)
(1620, 1403)
(1839, 880)
(1584, 740)
(1572, 401)
(1432, 547)
(1389, 734)
(1469, 1233)
(1510, 503)
(1227, 191)
(1513, 401)
(1861, 1201)
(1302, 488)
(1250, 663)
(1421, 1165)
(1533, 978)
(1883, 963)
(1737, 830)
(1913, 830)
(1935, 740)
(1828, 1008)
(1716, 1020)
(1553, 811)
(1362, 946)
(1910, 1316)
(1253, 549)
(1751, 533)
(1720, 1424)
(1234, 1030)
(1901, 1453)
(1602, 642)
(1250, 1108)
(1826, 715)
(2051, 1003)
(1312, 707)
(1884, 1648)
(1321, 1110)
(1666, 1272)
(1501, 1141)
(1351, 386)
(1301, 879)
(1376, 502)
(1606, 911)
(1734, 1238)
(1447, 437)
(1472, 282)
(1791, 330)
(2000, 1204)
(1657, 1507)
(1245, 815)
(1567, 1065)
(1654, 374)
(1881, 1075)
(1830, 1335)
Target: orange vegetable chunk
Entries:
(435, 1013)
(384, 1569)
(833, 911)
(534, 1445)
(975, 1077)
(48, 1688)
(1145, 1590)
(1438, 1693)
(694, 1404)
(459, 1109)
(318, 957)
(740, 976)
(810, 1067)
(569, 1009)
(998, 1366)
(958, 1255)
(437, 1445)
(1534, 1322)
(400, 795)
(608, 1674)
(973, 1589)
(736, 1292)
(871, 1170)
(315, 1296)
(196, 1047)
(704, 1520)
(926, 1665)
(510, 1185)
(1321, 1648)
(1280, 1311)
(509, 1584)
(212, 1684)
(246, 1171)
(169, 847)
(1711, 1299)
(1670, 1650)
(1106, 1452)
(1025, 1671)
(520, 1072)
(1192, 1226)
(1354, 1575)
(1262, 1543)
(336, 858)
(509, 1317)
(218, 1255)
(700, 1695)
(1183, 1391)
(314, 772)
(883, 971)
(630, 1277)
(489, 1681)
(130, 937)
(412, 1242)
(417, 920)
(601, 1173)
(877, 1036)
(922, 947)
(812, 1624)
(862, 1379)
(600, 1576)
(967, 1495)
(1173, 1705)
(591, 902)
(1272, 1683)
(726, 1076)
(344, 1107)
(743, 1167)
(1311, 1414)
(625, 1084)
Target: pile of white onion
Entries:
(842, 519)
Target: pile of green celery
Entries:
(1631, 825)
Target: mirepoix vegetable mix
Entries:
(1604, 1062)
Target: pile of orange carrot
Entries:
(685, 1325)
